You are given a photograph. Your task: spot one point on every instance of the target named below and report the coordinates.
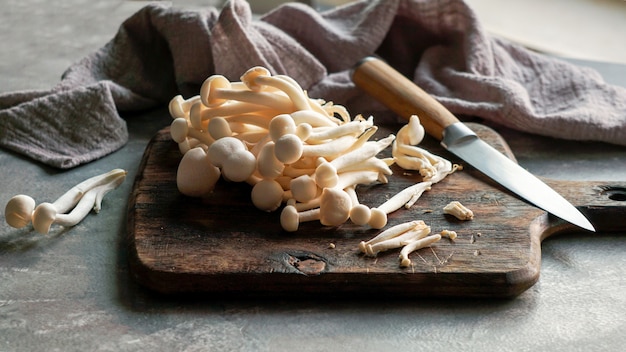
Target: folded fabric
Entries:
(162, 51)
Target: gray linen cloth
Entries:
(162, 51)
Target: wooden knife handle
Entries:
(401, 95)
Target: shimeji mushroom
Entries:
(359, 213)
(407, 196)
(267, 195)
(196, 175)
(46, 214)
(458, 210)
(19, 209)
(303, 188)
(265, 130)
(409, 236)
(389, 233)
(326, 174)
(332, 208)
(408, 156)
(415, 245)
(179, 107)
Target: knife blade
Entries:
(405, 98)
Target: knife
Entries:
(381, 81)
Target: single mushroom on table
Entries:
(80, 199)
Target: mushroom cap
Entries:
(289, 218)
(195, 115)
(304, 131)
(175, 107)
(179, 129)
(249, 77)
(267, 195)
(326, 175)
(43, 217)
(378, 219)
(219, 128)
(288, 148)
(303, 188)
(281, 125)
(210, 87)
(335, 207)
(19, 210)
(196, 176)
(267, 163)
(239, 166)
(224, 147)
(360, 214)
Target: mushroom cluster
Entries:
(305, 153)
(409, 156)
(69, 209)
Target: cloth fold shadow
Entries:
(161, 51)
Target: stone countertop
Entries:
(71, 290)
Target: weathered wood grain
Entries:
(223, 245)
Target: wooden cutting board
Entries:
(225, 246)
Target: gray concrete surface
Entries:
(71, 290)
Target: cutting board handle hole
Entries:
(615, 193)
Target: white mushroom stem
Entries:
(432, 167)
(368, 150)
(46, 214)
(326, 174)
(401, 198)
(295, 172)
(391, 232)
(374, 164)
(294, 91)
(415, 245)
(403, 239)
(179, 107)
(198, 115)
(313, 103)
(180, 131)
(350, 128)
(258, 120)
(458, 210)
(332, 148)
(352, 178)
(313, 118)
(69, 199)
(312, 204)
(408, 195)
(106, 188)
(290, 218)
(363, 138)
(332, 110)
(267, 99)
